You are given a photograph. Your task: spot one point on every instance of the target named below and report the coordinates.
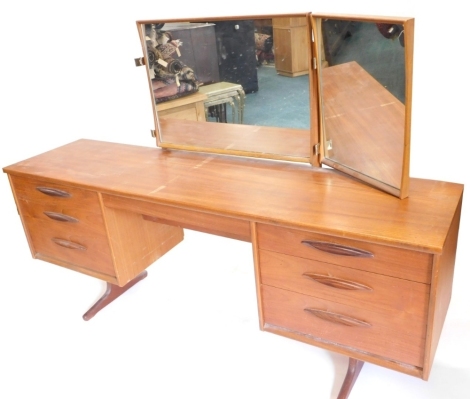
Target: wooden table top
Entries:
(283, 193)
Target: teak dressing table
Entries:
(338, 263)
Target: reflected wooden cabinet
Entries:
(290, 42)
(190, 107)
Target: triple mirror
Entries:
(331, 90)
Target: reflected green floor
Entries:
(280, 101)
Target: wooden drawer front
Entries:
(59, 211)
(381, 259)
(52, 193)
(70, 243)
(342, 284)
(64, 223)
(392, 335)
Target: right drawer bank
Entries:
(365, 298)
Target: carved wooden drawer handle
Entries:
(54, 192)
(338, 318)
(69, 244)
(337, 282)
(338, 249)
(60, 217)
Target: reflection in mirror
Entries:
(363, 90)
(253, 72)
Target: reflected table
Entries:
(223, 93)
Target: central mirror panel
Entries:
(233, 85)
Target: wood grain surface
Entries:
(281, 193)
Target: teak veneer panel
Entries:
(137, 243)
(288, 194)
(441, 291)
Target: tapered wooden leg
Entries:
(354, 369)
(112, 292)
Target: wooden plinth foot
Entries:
(354, 369)
(112, 292)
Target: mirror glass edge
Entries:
(408, 24)
(315, 103)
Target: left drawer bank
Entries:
(70, 227)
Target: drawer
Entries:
(69, 243)
(381, 259)
(38, 191)
(393, 335)
(64, 223)
(342, 284)
(62, 211)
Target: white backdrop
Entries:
(67, 72)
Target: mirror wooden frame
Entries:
(314, 152)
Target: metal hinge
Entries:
(139, 61)
(316, 149)
(152, 132)
(314, 63)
